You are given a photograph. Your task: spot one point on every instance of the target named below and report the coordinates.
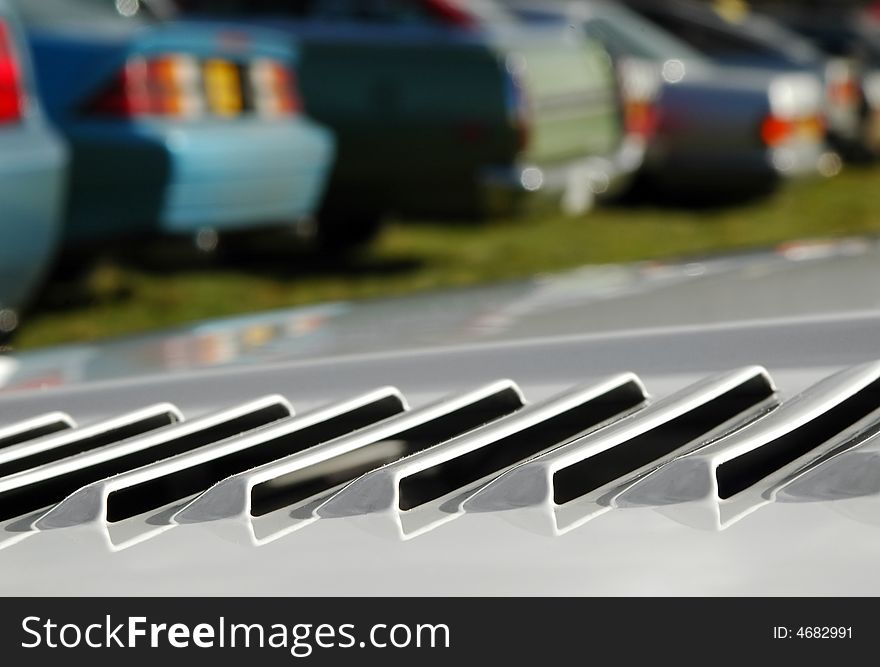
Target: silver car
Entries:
(707, 128)
(718, 411)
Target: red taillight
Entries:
(11, 93)
(179, 86)
(167, 85)
(776, 131)
(641, 118)
(640, 91)
(275, 89)
(844, 92)
(450, 12)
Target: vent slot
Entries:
(61, 445)
(499, 453)
(39, 488)
(303, 484)
(35, 428)
(165, 489)
(616, 462)
(741, 472)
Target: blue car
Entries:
(174, 129)
(33, 164)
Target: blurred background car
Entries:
(174, 129)
(709, 129)
(447, 110)
(852, 39)
(734, 34)
(33, 162)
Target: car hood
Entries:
(800, 280)
(681, 333)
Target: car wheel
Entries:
(344, 233)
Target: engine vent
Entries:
(39, 487)
(427, 488)
(37, 427)
(708, 455)
(575, 479)
(30, 453)
(281, 495)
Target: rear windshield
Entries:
(752, 38)
(625, 33)
(85, 12)
(375, 11)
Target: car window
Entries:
(377, 11)
(56, 12)
(625, 33)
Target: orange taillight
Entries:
(167, 85)
(173, 83)
(776, 131)
(275, 90)
(641, 118)
(844, 92)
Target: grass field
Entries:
(122, 297)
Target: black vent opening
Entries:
(34, 433)
(440, 480)
(37, 495)
(80, 445)
(301, 485)
(596, 471)
(742, 472)
(137, 499)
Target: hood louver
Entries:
(708, 456)
(571, 481)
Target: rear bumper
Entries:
(573, 186)
(157, 178)
(33, 164)
(729, 168)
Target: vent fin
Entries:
(171, 480)
(34, 428)
(70, 442)
(433, 482)
(303, 476)
(40, 487)
(737, 473)
(590, 467)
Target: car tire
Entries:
(340, 233)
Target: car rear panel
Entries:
(227, 165)
(570, 90)
(74, 66)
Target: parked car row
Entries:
(837, 46)
(122, 120)
(706, 126)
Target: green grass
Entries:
(121, 297)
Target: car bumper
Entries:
(33, 166)
(157, 178)
(736, 168)
(573, 186)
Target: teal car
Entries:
(174, 129)
(33, 163)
